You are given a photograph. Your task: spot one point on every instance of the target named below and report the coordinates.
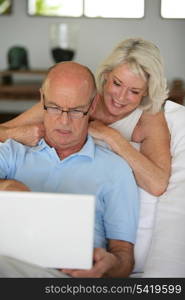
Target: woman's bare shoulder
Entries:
(150, 124)
(148, 120)
(148, 117)
(155, 127)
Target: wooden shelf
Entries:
(25, 89)
(22, 72)
(16, 91)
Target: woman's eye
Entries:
(116, 83)
(135, 92)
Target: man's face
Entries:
(63, 130)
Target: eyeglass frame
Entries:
(59, 109)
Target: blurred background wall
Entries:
(96, 38)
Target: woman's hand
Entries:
(110, 136)
(99, 130)
(27, 134)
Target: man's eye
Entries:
(53, 109)
(75, 111)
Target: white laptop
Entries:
(48, 229)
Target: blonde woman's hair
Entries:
(144, 59)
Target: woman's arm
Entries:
(151, 166)
(26, 128)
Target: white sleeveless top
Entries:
(126, 125)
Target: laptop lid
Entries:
(48, 229)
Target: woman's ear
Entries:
(105, 75)
(145, 92)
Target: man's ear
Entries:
(95, 101)
(41, 96)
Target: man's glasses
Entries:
(74, 113)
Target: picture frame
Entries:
(171, 9)
(55, 8)
(6, 7)
(125, 9)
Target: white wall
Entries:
(96, 39)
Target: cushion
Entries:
(148, 205)
(160, 243)
(166, 254)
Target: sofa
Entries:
(160, 245)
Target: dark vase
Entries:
(60, 54)
(63, 41)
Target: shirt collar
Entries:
(40, 146)
(87, 150)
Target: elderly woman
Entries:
(131, 93)
(132, 89)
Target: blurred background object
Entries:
(177, 91)
(63, 41)
(5, 7)
(17, 58)
(31, 24)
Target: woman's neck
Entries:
(102, 114)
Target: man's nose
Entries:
(64, 117)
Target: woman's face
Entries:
(123, 91)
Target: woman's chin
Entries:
(116, 110)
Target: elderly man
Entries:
(66, 160)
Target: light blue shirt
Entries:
(93, 170)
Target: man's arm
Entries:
(118, 261)
(13, 185)
(123, 255)
(10, 152)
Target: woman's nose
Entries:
(122, 94)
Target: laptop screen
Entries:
(48, 229)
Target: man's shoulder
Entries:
(12, 145)
(114, 169)
(109, 157)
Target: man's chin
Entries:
(59, 143)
